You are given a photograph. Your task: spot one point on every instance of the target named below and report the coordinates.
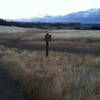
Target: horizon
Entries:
(17, 9)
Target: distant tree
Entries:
(95, 28)
(3, 22)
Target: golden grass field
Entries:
(61, 76)
(90, 38)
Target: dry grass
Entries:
(80, 38)
(62, 76)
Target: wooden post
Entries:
(47, 39)
(47, 48)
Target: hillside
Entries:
(91, 16)
(45, 25)
(12, 29)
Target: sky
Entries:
(16, 9)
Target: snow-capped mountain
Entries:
(88, 16)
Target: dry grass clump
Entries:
(61, 76)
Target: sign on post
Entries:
(47, 39)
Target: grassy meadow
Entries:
(59, 37)
(61, 76)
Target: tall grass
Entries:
(61, 76)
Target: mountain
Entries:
(90, 16)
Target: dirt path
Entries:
(8, 90)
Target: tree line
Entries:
(47, 25)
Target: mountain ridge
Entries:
(90, 16)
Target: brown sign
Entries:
(47, 37)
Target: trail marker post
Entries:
(47, 39)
